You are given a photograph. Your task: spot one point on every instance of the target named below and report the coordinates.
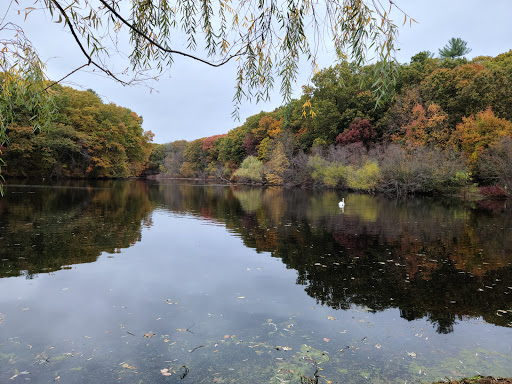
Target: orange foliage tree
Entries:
(477, 133)
(428, 127)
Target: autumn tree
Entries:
(360, 130)
(276, 167)
(477, 133)
(87, 139)
(428, 127)
(175, 157)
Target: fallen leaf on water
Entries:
(331, 318)
(287, 349)
(226, 336)
(87, 337)
(412, 354)
(149, 335)
(378, 346)
(165, 372)
(326, 339)
(166, 340)
(241, 297)
(19, 374)
(57, 378)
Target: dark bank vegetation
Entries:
(447, 129)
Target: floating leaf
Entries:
(326, 339)
(165, 372)
(241, 297)
(331, 318)
(287, 349)
(378, 346)
(412, 354)
(149, 335)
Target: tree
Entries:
(276, 167)
(421, 56)
(477, 133)
(428, 127)
(251, 170)
(360, 130)
(456, 47)
(87, 139)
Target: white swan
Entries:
(341, 204)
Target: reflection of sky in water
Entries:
(238, 306)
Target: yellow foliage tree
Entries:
(277, 165)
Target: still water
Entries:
(136, 282)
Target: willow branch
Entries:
(162, 48)
(65, 77)
(75, 36)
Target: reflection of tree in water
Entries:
(430, 261)
(440, 262)
(44, 229)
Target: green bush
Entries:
(330, 174)
(365, 178)
(251, 170)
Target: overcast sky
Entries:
(195, 100)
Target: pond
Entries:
(173, 282)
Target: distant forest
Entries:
(87, 139)
(448, 127)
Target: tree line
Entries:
(86, 139)
(449, 126)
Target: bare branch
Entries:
(69, 74)
(89, 58)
